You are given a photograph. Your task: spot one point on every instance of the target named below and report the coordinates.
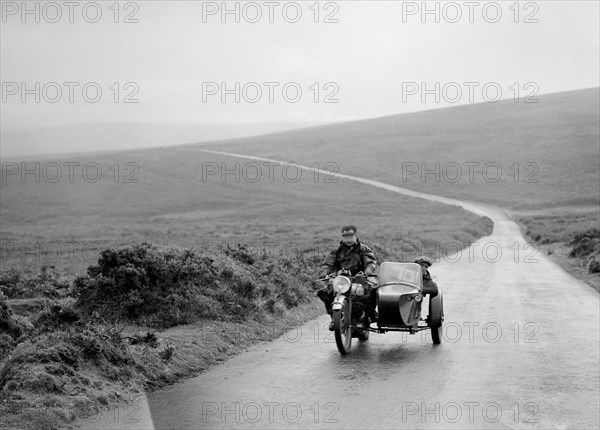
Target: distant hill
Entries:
(88, 137)
(559, 137)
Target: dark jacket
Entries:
(356, 258)
(429, 286)
(427, 276)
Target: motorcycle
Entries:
(399, 296)
(350, 319)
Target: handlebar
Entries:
(332, 276)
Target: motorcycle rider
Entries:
(429, 286)
(351, 256)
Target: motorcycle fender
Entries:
(338, 304)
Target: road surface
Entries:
(520, 350)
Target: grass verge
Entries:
(570, 239)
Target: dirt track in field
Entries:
(520, 350)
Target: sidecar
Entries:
(399, 300)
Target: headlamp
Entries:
(341, 284)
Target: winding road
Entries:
(520, 350)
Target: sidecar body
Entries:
(400, 298)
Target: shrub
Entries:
(7, 343)
(57, 314)
(240, 253)
(148, 338)
(8, 325)
(47, 282)
(585, 243)
(167, 353)
(594, 266)
(165, 286)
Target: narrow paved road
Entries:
(520, 350)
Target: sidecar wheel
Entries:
(436, 317)
(342, 330)
(436, 335)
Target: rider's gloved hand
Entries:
(369, 271)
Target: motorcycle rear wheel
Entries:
(342, 329)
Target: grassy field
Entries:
(559, 137)
(64, 223)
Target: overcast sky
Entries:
(369, 57)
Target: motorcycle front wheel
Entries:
(342, 329)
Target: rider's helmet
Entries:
(423, 260)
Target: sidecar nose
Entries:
(395, 303)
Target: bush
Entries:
(7, 343)
(585, 243)
(8, 325)
(594, 266)
(57, 314)
(148, 338)
(240, 253)
(165, 286)
(47, 282)
(72, 346)
(167, 353)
